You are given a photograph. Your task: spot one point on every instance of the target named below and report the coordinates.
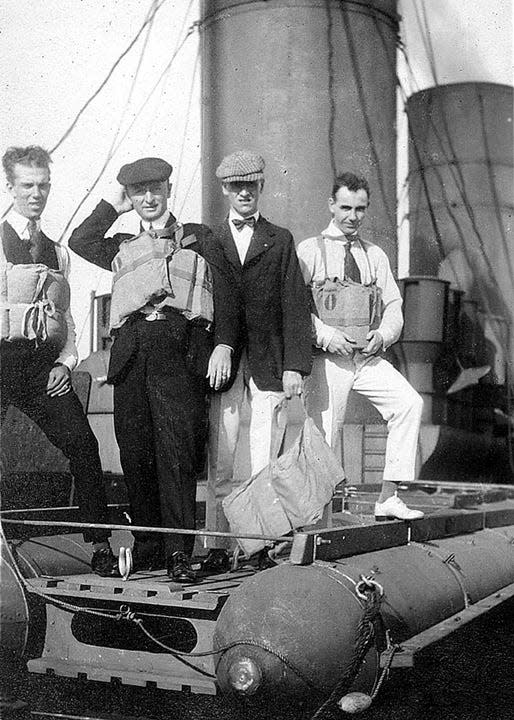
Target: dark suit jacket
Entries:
(274, 317)
(88, 241)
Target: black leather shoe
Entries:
(179, 568)
(104, 563)
(216, 562)
(147, 555)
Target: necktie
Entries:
(239, 224)
(351, 269)
(35, 244)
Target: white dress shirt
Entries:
(243, 237)
(68, 355)
(373, 265)
(158, 224)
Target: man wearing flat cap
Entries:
(273, 351)
(170, 305)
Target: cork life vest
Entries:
(33, 302)
(156, 268)
(355, 308)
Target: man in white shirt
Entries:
(272, 353)
(161, 356)
(350, 278)
(38, 348)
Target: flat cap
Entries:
(241, 165)
(145, 169)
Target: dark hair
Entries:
(351, 181)
(32, 155)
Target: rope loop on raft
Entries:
(370, 593)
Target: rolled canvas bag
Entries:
(290, 492)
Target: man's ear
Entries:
(9, 187)
(331, 203)
(262, 185)
(224, 189)
(170, 185)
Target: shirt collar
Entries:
(158, 224)
(19, 223)
(232, 214)
(335, 232)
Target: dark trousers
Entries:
(160, 423)
(24, 375)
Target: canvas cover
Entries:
(290, 492)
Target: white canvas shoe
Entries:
(395, 509)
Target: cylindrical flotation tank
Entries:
(292, 630)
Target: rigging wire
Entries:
(451, 163)
(186, 124)
(164, 85)
(426, 39)
(148, 19)
(456, 173)
(362, 99)
(150, 15)
(331, 80)
(117, 146)
(189, 187)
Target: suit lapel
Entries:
(229, 246)
(261, 241)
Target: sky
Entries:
(56, 53)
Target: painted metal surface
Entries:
(285, 78)
(461, 190)
(309, 614)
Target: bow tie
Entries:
(239, 224)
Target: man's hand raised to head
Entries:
(119, 199)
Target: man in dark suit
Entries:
(38, 350)
(159, 360)
(273, 350)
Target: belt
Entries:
(156, 315)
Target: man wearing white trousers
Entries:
(357, 314)
(273, 351)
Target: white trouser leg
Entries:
(223, 438)
(266, 425)
(400, 405)
(326, 393)
(224, 421)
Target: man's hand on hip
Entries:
(59, 381)
(341, 344)
(375, 344)
(292, 382)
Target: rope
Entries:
(367, 630)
